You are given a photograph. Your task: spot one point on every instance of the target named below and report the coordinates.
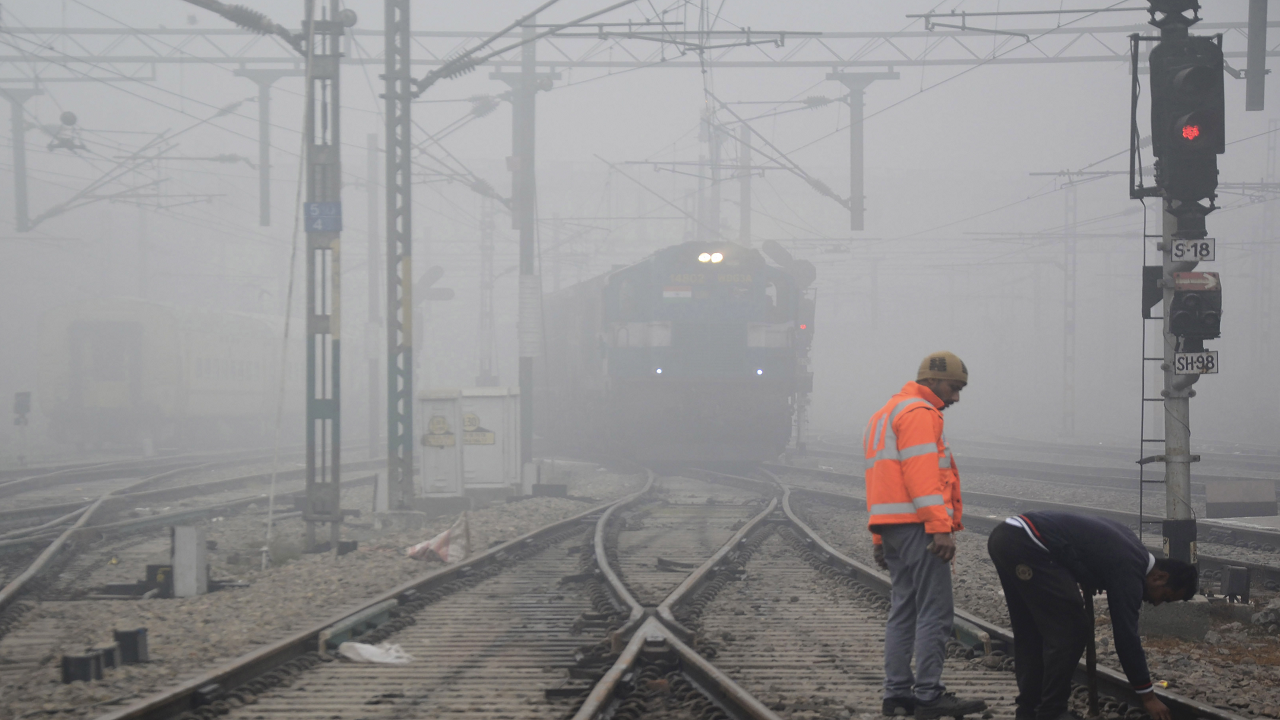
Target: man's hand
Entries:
(944, 546)
(1156, 709)
(877, 552)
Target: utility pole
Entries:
(1069, 313)
(487, 377)
(374, 322)
(1187, 135)
(144, 255)
(524, 91)
(264, 79)
(714, 138)
(399, 277)
(17, 98)
(700, 203)
(556, 251)
(1264, 267)
(323, 217)
(744, 186)
(857, 84)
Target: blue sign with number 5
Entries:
(322, 216)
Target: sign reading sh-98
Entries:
(1196, 363)
(1202, 250)
(323, 216)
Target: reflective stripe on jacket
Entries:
(911, 475)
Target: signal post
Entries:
(1187, 135)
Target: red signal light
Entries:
(1191, 132)
(803, 326)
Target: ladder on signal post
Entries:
(1146, 401)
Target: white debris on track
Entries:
(191, 635)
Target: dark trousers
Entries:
(1050, 626)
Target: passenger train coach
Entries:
(696, 353)
(128, 372)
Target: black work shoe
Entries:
(948, 705)
(901, 707)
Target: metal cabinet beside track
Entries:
(470, 440)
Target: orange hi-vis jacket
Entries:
(911, 475)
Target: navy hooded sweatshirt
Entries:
(1102, 554)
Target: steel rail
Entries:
(174, 701)
(1110, 681)
(706, 571)
(1255, 463)
(139, 490)
(1252, 461)
(82, 529)
(620, 591)
(1058, 474)
(1260, 535)
(662, 631)
(72, 474)
(1260, 573)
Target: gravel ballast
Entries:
(1238, 670)
(190, 635)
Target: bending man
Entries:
(1042, 557)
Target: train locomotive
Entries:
(698, 353)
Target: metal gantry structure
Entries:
(857, 85)
(373, 322)
(524, 217)
(17, 98)
(398, 95)
(1069, 264)
(322, 216)
(126, 54)
(487, 377)
(264, 78)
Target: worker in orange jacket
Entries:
(913, 498)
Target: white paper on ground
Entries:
(386, 653)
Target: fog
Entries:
(964, 246)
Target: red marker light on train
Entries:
(803, 326)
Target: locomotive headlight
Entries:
(706, 257)
(659, 371)
(717, 257)
(760, 371)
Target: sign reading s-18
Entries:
(1196, 363)
(1203, 250)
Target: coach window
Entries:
(628, 302)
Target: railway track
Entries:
(29, 555)
(749, 614)
(1234, 460)
(980, 506)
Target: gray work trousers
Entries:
(920, 614)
